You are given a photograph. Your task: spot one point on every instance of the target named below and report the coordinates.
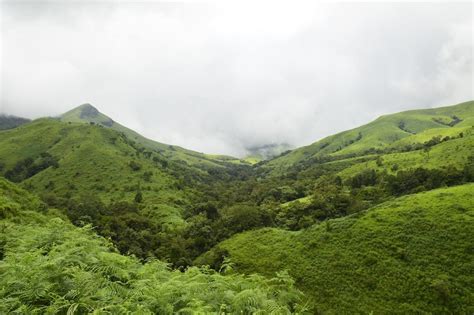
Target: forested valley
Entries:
(97, 219)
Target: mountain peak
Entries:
(86, 113)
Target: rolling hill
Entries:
(413, 254)
(137, 191)
(393, 131)
(86, 113)
(93, 155)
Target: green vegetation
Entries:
(49, 266)
(82, 168)
(374, 219)
(410, 255)
(389, 131)
(86, 113)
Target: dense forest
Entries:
(97, 218)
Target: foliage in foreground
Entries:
(49, 266)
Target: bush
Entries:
(134, 166)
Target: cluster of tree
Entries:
(28, 167)
(414, 146)
(421, 179)
(55, 268)
(225, 208)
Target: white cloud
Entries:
(220, 77)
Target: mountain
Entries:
(80, 159)
(87, 113)
(109, 176)
(393, 131)
(9, 122)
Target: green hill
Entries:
(87, 113)
(87, 153)
(300, 189)
(388, 131)
(87, 159)
(413, 254)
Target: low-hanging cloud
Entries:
(221, 78)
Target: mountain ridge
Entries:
(390, 129)
(87, 113)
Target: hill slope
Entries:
(138, 193)
(388, 131)
(410, 255)
(87, 113)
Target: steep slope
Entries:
(68, 157)
(49, 266)
(410, 255)
(137, 196)
(388, 131)
(90, 160)
(87, 113)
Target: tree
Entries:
(134, 166)
(138, 197)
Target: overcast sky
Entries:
(218, 78)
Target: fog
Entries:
(220, 78)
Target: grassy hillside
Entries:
(301, 189)
(388, 131)
(91, 160)
(413, 254)
(86, 113)
(138, 196)
(48, 266)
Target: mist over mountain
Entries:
(9, 121)
(196, 76)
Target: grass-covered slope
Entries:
(388, 131)
(86, 113)
(414, 254)
(135, 195)
(48, 266)
(89, 161)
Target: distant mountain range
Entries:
(9, 122)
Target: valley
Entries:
(377, 219)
